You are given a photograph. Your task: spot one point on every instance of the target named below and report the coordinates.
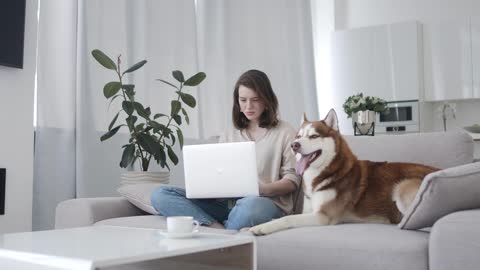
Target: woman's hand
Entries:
(263, 189)
(278, 188)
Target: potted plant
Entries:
(152, 136)
(362, 110)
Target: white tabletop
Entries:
(100, 246)
(475, 136)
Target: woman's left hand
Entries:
(263, 189)
(277, 188)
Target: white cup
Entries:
(182, 224)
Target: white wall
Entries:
(323, 23)
(359, 13)
(16, 137)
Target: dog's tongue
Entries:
(302, 164)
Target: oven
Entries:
(401, 117)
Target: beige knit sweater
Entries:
(275, 160)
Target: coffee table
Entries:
(113, 247)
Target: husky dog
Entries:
(339, 188)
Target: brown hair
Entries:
(259, 82)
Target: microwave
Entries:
(400, 117)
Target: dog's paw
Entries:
(264, 229)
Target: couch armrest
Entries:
(455, 241)
(88, 211)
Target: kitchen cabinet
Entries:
(475, 36)
(380, 61)
(449, 56)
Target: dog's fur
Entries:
(339, 188)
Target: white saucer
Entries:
(177, 235)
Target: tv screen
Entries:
(12, 32)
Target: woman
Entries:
(255, 117)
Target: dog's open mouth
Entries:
(305, 161)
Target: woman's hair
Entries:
(258, 82)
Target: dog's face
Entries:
(314, 145)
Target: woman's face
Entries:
(250, 103)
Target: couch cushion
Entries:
(139, 195)
(345, 246)
(444, 192)
(454, 241)
(437, 149)
(153, 222)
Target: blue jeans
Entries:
(247, 212)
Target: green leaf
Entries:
(167, 131)
(139, 127)
(110, 133)
(131, 119)
(148, 129)
(180, 137)
(195, 79)
(145, 113)
(147, 143)
(111, 88)
(113, 121)
(172, 155)
(177, 119)
(188, 99)
(178, 75)
(172, 137)
(129, 91)
(103, 59)
(128, 87)
(176, 106)
(186, 116)
(128, 107)
(156, 126)
(135, 67)
(161, 157)
(127, 156)
(159, 115)
(165, 82)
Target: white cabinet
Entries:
(475, 35)
(447, 60)
(378, 61)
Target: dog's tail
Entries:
(404, 193)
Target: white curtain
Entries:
(274, 36)
(221, 38)
(70, 160)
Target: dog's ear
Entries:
(331, 119)
(304, 118)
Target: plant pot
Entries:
(363, 121)
(136, 177)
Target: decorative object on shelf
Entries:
(149, 138)
(362, 110)
(473, 128)
(447, 110)
(364, 123)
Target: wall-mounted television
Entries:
(12, 32)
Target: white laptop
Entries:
(221, 170)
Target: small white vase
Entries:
(135, 177)
(364, 121)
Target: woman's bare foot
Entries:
(216, 225)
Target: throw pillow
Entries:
(443, 192)
(139, 195)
